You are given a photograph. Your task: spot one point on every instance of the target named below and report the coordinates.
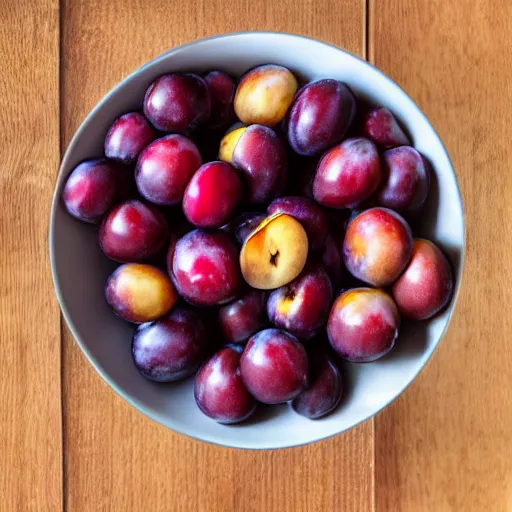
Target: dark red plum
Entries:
(274, 366)
(243, 317)
(427, 284)
(406, 180)
(313, 219)
(325, 388)
(127, 137)
(91, 189)
(347, 174)
(261, 157)
(165, 167)
(205, 268)
(219, 390)
(302, 306)
(212, 195)
(132, 232)
(320, 116)
(177, 103)
(363, 324)
(171, 348)
(221, 89)
(381, 126)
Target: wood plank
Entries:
(30, 404)
(116, 459)
(445, 444)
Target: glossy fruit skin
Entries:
(325, 388)
(171, 348)
(205, 268)
(261, 157)
(308, 213)
(347, 174)
(127, 137)
(426, 286)
(319, 117)
(91, 189)
(165, 167)
(221, 89)
(219, 390)
(265, 94)
(302, 306)
(133, 231)
(243, 317)
(406, 180)
(274, 366)
(363, 324)
(381, 126)
(377, 246)
(212, 195)
(140, 293)
(177, 103)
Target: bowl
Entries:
(80, 269)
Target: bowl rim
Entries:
(56, 198)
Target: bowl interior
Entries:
(80, 270)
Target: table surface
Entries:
(69, 443)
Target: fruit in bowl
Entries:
(243, 270)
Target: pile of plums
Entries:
(260, 270)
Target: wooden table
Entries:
(69, 443)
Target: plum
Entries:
(212, 195)
(140, 293)
(406, 180)
(427, 284)
(320, 115)
(313, 219)
(274, 366)
(177, 103)
(381, 126)
(127, 137)
(347, 174)
(205, 268)
(363, 324)
(171, 348)
(325, 387)
(165, 167)
(219, 390)
(243, 317)
(274, 253)
(91, 189)
(260, 156)
(221, 89)
(302, 306)
(133, 232)
(377, 246)
(265, 94)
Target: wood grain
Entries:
(116, 459)
(445, 444)
(30, 405)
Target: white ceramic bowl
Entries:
(80, 269)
